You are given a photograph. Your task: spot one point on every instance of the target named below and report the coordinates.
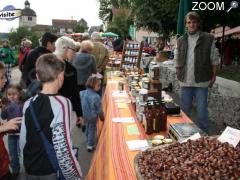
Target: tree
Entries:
(211, 18)
(79, 28)
(16, 36)
(121, 22)
(156, 15)
(106, 7)
(83, 23)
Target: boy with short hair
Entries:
(53, 114)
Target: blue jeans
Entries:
(201, 95)
(91, 129)
(13, 146)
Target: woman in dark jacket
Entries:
(85, 64)
(65, 51)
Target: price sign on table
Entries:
(230, 135)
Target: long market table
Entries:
(112, 159)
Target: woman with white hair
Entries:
(65, 51)
(85, 64)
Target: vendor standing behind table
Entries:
(85, 64)
(196, 62)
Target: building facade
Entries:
(29, 16)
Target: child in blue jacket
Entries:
(92, 109)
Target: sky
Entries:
(47, 10)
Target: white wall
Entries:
(140, 34)
(23, 21)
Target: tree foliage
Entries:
(156, 15)
(211, 18)
(121, 22)
(79, 28)
(106, 7)
(16, 36)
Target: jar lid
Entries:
(153, 63)
(145, 79)
(143, 91)
(142, 103)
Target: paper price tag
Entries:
(193, 137)
(123, 120)
(137, 145)
(230, 135)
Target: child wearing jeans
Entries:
(92, 109)
(4, 128)
(53, 115)
(11, 108)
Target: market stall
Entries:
(112, 158)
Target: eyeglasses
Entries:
(72, 49)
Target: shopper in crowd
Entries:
(12, 107)
(78, 46)
(118, 44)
(47, 46)
(85, 36)
(85, 64)
(92, 109)
(6, 56)
(101, 55)
(26, 45)
(196, 62)
(49, 114)
(65, 51)
(108, 42)
(4, 128)
(100, 52)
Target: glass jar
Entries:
(143, 95)
(149, 120)
(120, 86)
(155, 72)
(163, 118)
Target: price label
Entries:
(230, 135)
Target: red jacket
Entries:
(4, 159)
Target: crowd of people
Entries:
(59, 87)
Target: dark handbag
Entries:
(48, 147)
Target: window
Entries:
(29, 18)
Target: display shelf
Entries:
(132, 53)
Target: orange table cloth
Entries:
(112, 159)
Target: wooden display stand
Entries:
(132, 53)
(155, 89)
(161, 56)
